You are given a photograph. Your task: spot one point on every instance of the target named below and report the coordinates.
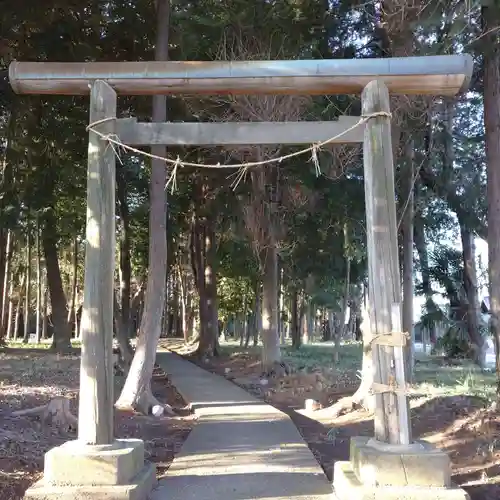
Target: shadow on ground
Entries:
(244, 486)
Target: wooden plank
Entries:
(444, 75)
(95, 417)
(392, 424)
(237, 133)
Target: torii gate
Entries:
(77, 467)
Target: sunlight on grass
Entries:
(432, 376)
(45, 344)
(320, 356)
(463, 379)
(308, 357)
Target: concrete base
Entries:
(138, 489)
(76, 471)
(420, 464)
(348, 487)
(386, 472)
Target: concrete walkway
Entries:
(240, 449)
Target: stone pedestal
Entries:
(79, 472)
(377, 471)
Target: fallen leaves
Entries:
(29, 380)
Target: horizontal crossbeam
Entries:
(440, 75)
(239, 133)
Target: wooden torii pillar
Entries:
(442, 75)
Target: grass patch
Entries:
(432, 376)
(320, 356)
(309, 357)
(436, 379)
(45, 344)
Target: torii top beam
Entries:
(437, 75)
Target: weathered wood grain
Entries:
(392, 423)
(95, 416)
(443, 75)
(237, 133)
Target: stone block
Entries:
(347, 486)
(420, 464)
(138, 488)
(79, 465)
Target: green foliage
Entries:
(44, 141)
(236, 296)
(454, 343)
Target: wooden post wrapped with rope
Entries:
(95, 417)
(392, 423)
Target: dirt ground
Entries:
(32, 378)
(461, 425)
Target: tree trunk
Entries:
(124, 242)
(470, 286)
(208, 280)
(17, 320)
(318, 321)
(423, 257)
(345, 302)
(203, 346)
(5, 235)
(45, 318)
(5, 289)
(339, 332)
(7, 188)
(357, 299)
(39, 284)
(271, 354)
(61, 340)
(136, 307)
(491, 20)
(469, 279)
(330, 326)
(168, 319)
(136, 392)
(281, 294)
(363, 396)
(174, 307)
(122, 336)
(258, 314)
(311, 319)
(240, 329)
(122, 309)
(246, 329)
(294, 325)
(183, 304)
(307, 318)
(407, 244)
(27, 305)
(198, 257)
(19, 308)
(190, 315)
(74, 281)
(3, 255)
(10, 315)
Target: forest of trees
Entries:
(283, 244)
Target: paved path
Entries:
(240, 449)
